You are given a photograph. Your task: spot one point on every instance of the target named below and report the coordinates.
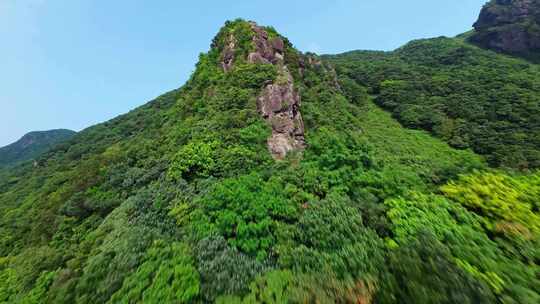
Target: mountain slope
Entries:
(32, 145)
(263, 179)
(470, 97)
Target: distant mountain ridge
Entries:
(32, 145)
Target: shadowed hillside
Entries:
(32, 145)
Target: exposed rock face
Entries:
(279, 102)
(228, 54)
(266, 51)
(511, 26)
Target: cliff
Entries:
(509, 26)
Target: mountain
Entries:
(32, 145)
(274, 176)
(470, 97)
(510, 26)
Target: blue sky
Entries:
(74, 63)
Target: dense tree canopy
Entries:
(467, 96)
(179, 201)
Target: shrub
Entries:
(224, 270)
(246, 211)
(166, 275)
(196, 159)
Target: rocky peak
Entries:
(279, 101)
(267, 51)
(228, 53)
(503, 12)
(511, 26)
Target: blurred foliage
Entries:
(166, 275)
(507, 204)
(179, 201)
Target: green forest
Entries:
(418, 183)
(467, 96)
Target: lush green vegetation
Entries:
(31, 146)
(467, 96)
(179, 201)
